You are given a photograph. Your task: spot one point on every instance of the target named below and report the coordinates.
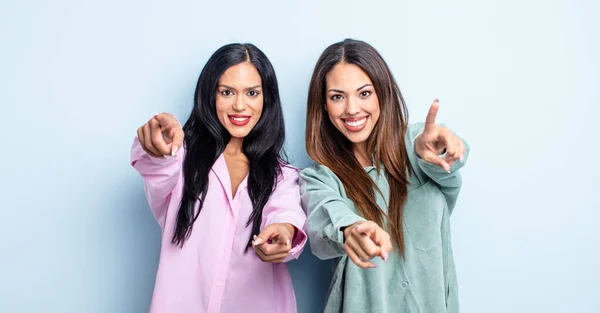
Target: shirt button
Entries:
(404, 284)
(219, 284)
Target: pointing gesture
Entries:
(273, 244)
(436, 140)
(365, 241)
(160, 131)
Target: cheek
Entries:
(221, 105)
(374, 109)
(330, 110)
(333, 110)
(257, 106)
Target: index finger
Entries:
(157, 138)
(166, 120)
(356, 260)
(431, 115)
(369, 246)
(366, 228)
(264, 236)
(271, 249)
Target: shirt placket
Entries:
(220, 279)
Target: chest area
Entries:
(238, 168)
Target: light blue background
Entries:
(518, 79)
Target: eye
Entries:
(253, 93)
(365, 93)
(336, 97)
(226, 92)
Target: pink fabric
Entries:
(211, 273)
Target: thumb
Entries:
(433, 158)
(177, 141)
(386, 247)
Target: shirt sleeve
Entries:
(284, 207)
(160, 177)
(449, 183)
(328, 212)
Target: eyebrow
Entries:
(364, 86)
(246, 89)
(359, 89)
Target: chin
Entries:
(239, 132)
(357, 139)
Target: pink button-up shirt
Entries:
(211, 273)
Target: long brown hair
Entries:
(327, 146)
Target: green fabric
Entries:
(425, 280)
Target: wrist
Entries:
(292, 229)
(347, 229)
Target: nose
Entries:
(352, 107)
(239, 105)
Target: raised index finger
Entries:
(430, 119)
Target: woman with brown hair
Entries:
(381, 193)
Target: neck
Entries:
(361, 154)
(234, 147)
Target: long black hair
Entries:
(205, 139)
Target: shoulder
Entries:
(289, 173)
(320, 174)
(413, 130)
(317, 170)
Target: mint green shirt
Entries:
(425, 280)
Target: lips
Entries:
(355, 124)
(239, 120)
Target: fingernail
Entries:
(436, 100)
(174, 151)
(257, 241)
(155, 114)
(254, 237)
(462, 158)
(287, 243)
(385, 256)
(372, 266)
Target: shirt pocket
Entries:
(422, 217)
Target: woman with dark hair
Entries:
(220, 186)
(380, 196)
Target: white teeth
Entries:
(356, 123)
(239, 119)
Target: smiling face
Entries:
(351, 102)
(239, 100)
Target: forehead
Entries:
(346, 76)
(243, 75)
